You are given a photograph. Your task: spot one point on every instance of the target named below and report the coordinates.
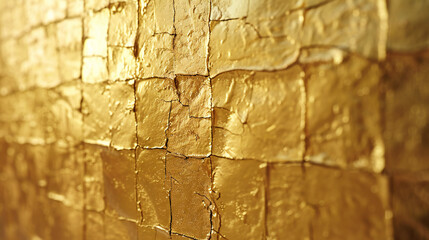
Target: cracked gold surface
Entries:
(259, 115)
(214, 119)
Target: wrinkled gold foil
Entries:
(214, 119)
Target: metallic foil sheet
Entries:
(214, 119)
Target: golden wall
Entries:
(214, 119)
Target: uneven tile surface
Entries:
(214, 119)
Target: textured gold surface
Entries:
(214, 119)
(259, 115)
(345, 131)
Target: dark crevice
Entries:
(171, 209)
(208, 40)
(136, 171)
(174, 36)
(291, 65)
(228, 19)
(266, 197)
(307, 8)
(289, 161)
(136, 46)
(306, 132)
(183, 235)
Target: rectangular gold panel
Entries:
(344, 114)
(251, 124)
(190, 181)
(240, 206)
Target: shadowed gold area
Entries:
(214, 119)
